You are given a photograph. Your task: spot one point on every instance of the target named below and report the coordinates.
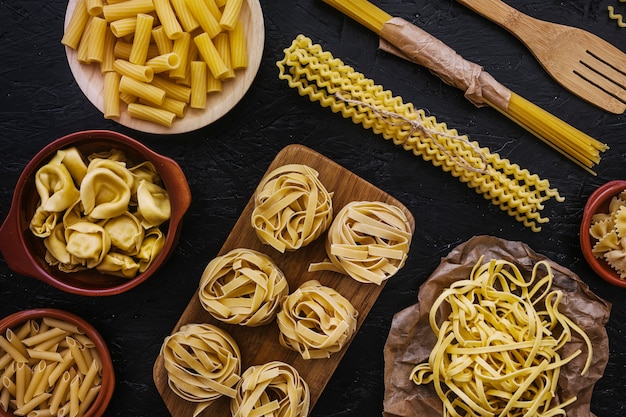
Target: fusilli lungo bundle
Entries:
(317, 74)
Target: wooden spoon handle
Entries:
(516, 22)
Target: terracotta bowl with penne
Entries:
(53, 362)
(602, 232)
(95, 213)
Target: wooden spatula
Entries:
(583, 63)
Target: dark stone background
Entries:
(40, 101)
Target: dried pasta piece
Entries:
(272, 389)
(323, 78)
(243, 287)
(367, 240)
(609, 233)
(203, 363)
(292, 207)
(316, 321)
(500, 343)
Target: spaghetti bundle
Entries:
(323, 78)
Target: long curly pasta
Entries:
(242, 287)
(203, 363)
(317, 74)
(316, 321)
(272, 389)
(617, 17)
(368, 241)
(498, 351)
(292, 207)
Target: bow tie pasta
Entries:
(101, 212)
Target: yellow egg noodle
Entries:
(292, 207)
(499, 348)
(100, 212)
(316, 321)
(367, 240)
(272, 389)
(48, 367)
(617, 17)
(160, 34)
(317, 74)
(609, 231)
(243, 287)
(203, 363)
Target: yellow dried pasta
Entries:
(272, 389)
(367, 240)
(292, 207)
(499, 342)
(316, 321)
(609, 231)
(203, 363)
(243, 287)
(317, 74)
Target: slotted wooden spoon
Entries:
(583, 63)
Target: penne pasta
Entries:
(76, 26)
(198, 85)
(209, 53)
(141, 41)
(168, 19)
(151, 114)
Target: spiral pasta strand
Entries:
(323, 78)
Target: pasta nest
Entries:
(242, 287)
(316, 321)
(609, 231)
(292, 207)
(203, 363)
(367, 240)
(271, 389)
(500, 349)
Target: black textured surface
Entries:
(40, 101)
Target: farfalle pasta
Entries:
(367, 240)
(203, 363)
(272, 389)
(292, 207)
(316, 321)
(323, 78)
(243, 287)
(609, 232)
(100, 212)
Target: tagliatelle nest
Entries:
(272, 389)
(368, 240)
(242, 287)
(292, 207)
(316, 321)
(202, 362)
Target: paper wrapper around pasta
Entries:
(411, 339)
(407, 41)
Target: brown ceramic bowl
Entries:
(101, 402)
(598, 202)
(24, 252)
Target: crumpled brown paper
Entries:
(411, 339)
(407, 41)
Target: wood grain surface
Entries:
(260, 345)
(90, 81)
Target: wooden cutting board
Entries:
(260, 345)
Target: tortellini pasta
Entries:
(609, 232)
(292, 207)
(316, 321)
(100, 212)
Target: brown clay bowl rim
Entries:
(103, 399)
(598, 202)
(19, 246)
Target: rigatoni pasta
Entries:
(158, 34)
